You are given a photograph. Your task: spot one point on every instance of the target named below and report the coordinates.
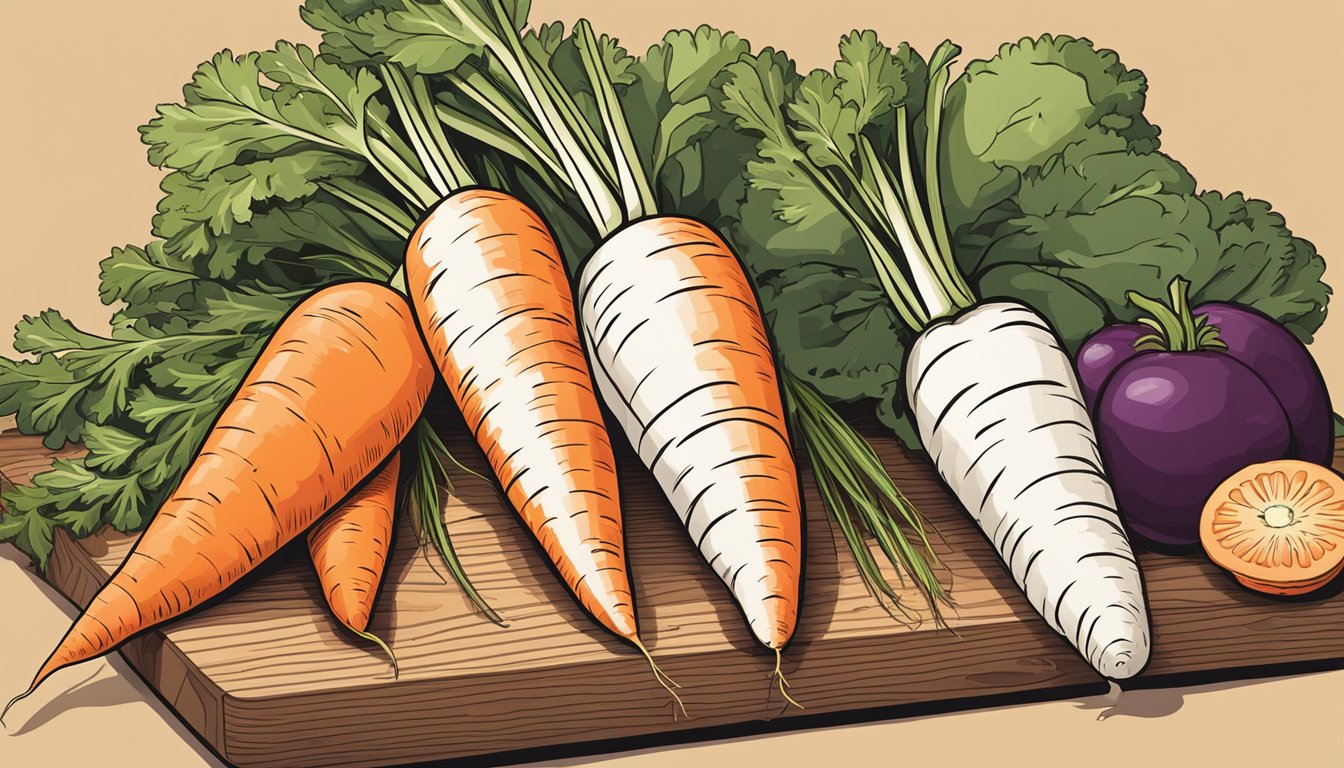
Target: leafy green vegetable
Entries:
(140, 399)
(673, 119)
(814, 225)
(1073, 241)
(836, 332)
(1020, 110)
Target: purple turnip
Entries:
(1172, 426)
(1185, 398)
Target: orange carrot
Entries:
(349, 549)
(679, 348)
(331, 395)
(492, 297)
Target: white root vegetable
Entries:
(1000, 413)
(681, 357)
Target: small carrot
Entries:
(349, 550)
(335, 389)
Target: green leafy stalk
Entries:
(936, 264)
(426, 508)
(635, 190)
(436, 163)
(923, 237)
(923, 288)
(390, 216)
(856, 486)
(939, 72)
(754, 97)
(817, 146)
(415, 106)
(511, 132)
(489, 26)
(454, 168)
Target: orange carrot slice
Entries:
(1278, 527)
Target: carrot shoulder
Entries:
(336, 388)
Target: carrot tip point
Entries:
(13, 701)
(392, 657)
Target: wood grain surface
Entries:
(267, 679)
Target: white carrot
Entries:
(680, 356)
(992, 391)
(1000, 412)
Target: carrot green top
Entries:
(847, 139)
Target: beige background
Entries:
(1247, 94)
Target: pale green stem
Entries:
(635, 188)
(933, 116)
(932, 296)
(493, 102)
(393, 218)
(434, 166)
(930, 275)
(408, 182)
(587, 181)
(456, 168)
(907, 305)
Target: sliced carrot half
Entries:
(1278, 527)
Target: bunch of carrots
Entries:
(661, 325)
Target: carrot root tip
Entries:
(661, 677)
(376, 640)
(16, 700)
(783, 682)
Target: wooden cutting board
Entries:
(267, 680)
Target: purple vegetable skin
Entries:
(1289, 370)
(1192, 396)
(1101, 354)
(1172, 426)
